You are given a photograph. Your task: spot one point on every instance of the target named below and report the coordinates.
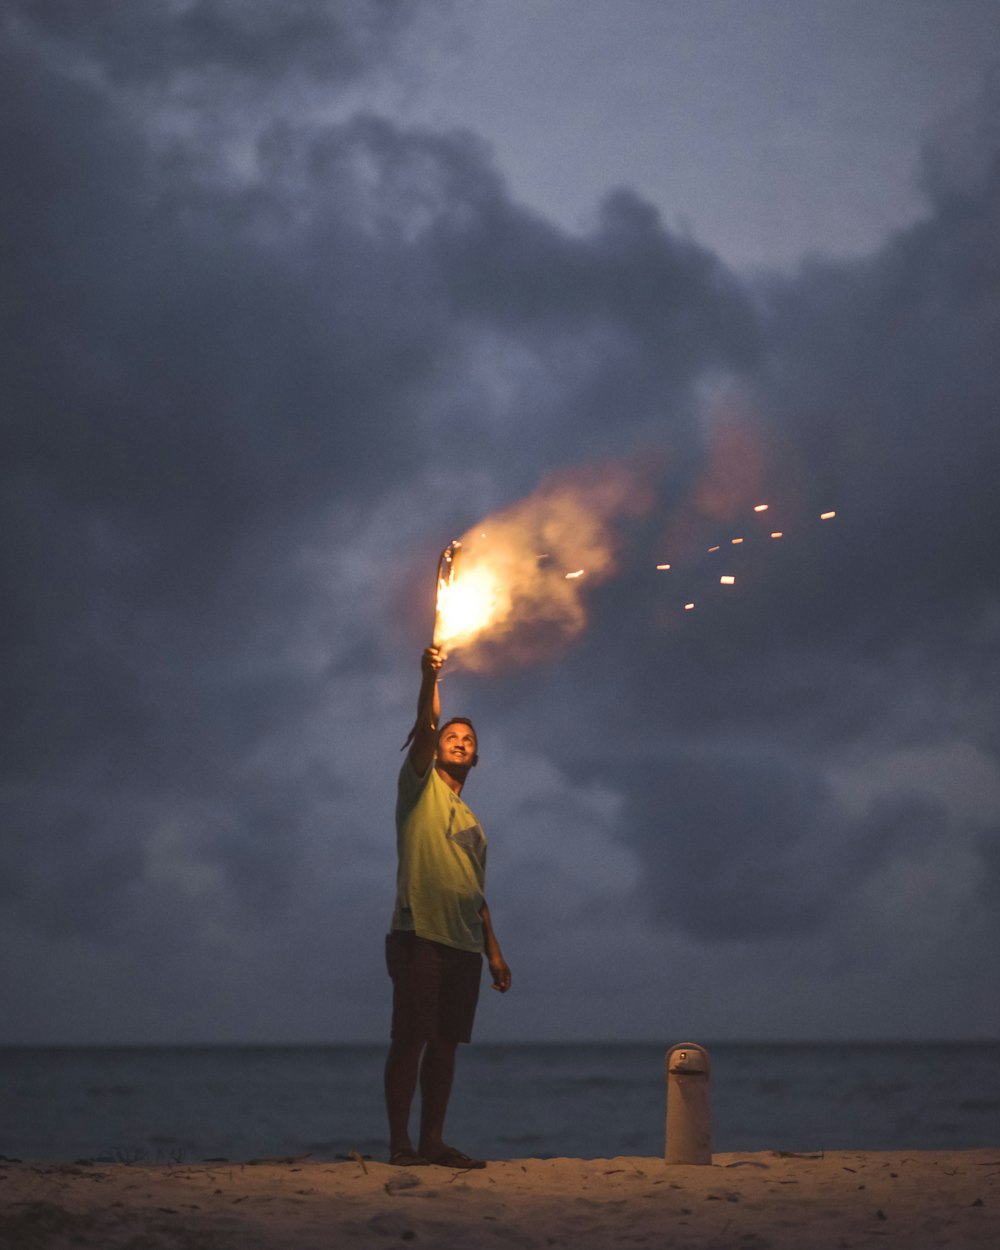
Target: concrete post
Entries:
(689, 1128)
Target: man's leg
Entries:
(437, 1072)
(401, 1070)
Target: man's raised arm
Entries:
(424, 732)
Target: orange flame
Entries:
(464, 607)
(506, 604)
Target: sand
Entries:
(844, 1201)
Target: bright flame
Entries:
(465, 607)
(508, 605)
(728, 581)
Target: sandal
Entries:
(408, 1159)
(449, 1157)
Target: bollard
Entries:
(689, 1127)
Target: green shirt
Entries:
(442, 862)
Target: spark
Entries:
(727, 580)
(736, 541)
(760, 507)
(713, 548)
(578, 573)
(826, 516)
(663, 567)
(777, 533)
(688, 607)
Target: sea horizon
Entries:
(511, 1099)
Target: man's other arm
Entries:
(498, 965)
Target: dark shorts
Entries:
(435, 988)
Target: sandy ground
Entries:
(844, 1201)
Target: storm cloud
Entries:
(267, 349)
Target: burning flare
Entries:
(464, 607)
(512, 589)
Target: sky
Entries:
(297, 291)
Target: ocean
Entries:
(186, 1104)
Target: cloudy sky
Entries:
(294, 292)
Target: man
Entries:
(440, 928)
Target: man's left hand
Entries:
(499, 972)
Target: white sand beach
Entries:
(843, 1200)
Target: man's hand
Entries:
(498, 965)
(432, 661)
(499, 971)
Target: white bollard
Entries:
(689, 1126)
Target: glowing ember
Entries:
(736, 541)
(571, 576)
(688, 607)
(761, 507)
(777, 534)
(663, 567)
(826, 516)
(713, 548)
(727, 580)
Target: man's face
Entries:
(457, 746)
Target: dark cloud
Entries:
(204, 374)
(875, 394)
(989, 850)
(746, 847)
(247, 395)
(146, 42)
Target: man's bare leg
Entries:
(402, 1067)
(437, 1071)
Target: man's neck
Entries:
(453, 779)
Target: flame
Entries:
(506, 604)
(464, 607)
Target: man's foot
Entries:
(408, 1159)
(449, 1157)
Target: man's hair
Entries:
(463, 720)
